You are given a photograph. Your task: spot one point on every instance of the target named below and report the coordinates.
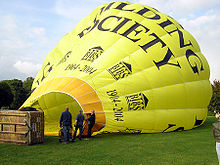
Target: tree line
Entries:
(214, 104)
(14, 92)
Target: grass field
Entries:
(193, 147)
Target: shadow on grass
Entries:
(207, 125)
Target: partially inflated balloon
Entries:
(136, 67)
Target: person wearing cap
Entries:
(78, 125)
(66, 122)
(216, 134)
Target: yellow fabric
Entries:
(136, 67)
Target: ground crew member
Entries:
(66, 122)
(79, 125)
(91, 122)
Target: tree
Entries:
(6, 96)
(20, 95)
(214, 104)
(27, 85)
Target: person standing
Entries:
(216, 134)
(66, 122)
(91, 122)
(79, 125)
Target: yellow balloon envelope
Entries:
(137, 68)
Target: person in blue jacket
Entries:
(79, 125)
(66, 123)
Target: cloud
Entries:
(205, 27)
(28, 68)
(191, 6)
(9, 31)
(7, 71)
(73, 9)
(17, 35)
(8, 23)
(37, 33)
(77, 9)
(204, 20)
(21, 42)
(180, 8)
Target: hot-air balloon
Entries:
(138, 69)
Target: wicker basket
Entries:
(21, 127)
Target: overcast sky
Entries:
(30, 29)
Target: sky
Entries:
(30, 29)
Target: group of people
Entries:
(66, 123)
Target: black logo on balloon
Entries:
(130, 131)
(120, 70)
(46, 70)
(197, 122)
(93, 54)
(175, 130)
(136, 102)
(65, 58)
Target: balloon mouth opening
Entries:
(56, 100)
(53, 104)
(55, 95)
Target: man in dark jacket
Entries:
(79, 125)
(91, 122)
(66, 122)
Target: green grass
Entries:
(193, 147)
